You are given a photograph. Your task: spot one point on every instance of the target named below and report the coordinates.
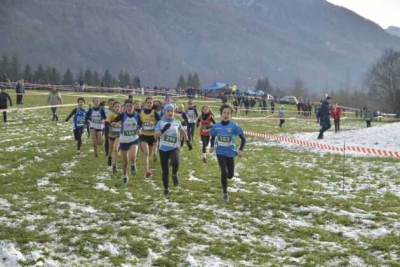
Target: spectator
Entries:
(368, 116)
(336, 113)
(4, 96)
(54, 99)
(324, 117)
(20, 90)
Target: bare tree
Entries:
(383, 78)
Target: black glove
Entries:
(166, 127)
(189, 145)
(66, 120)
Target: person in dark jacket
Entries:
(4, 96)
(20, 90)
(324, 117)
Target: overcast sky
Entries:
(384, 12)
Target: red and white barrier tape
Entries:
(370, 151)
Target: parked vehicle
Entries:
(289, 100)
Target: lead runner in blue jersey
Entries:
(78, 124)
(224, 134)
(168, 129)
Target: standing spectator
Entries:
(324, 117)
(20, 90)
(54, 99)
(368, 116)
(316, 110)
(246, 103)
(4, 96)
(81, 85)
(5, 80)
(272, 106)
(336, 113)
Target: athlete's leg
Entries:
(222, 161)
(164, 160)
(230, 163)
(93, 133)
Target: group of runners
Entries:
(154, 126)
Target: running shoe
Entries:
(166, 193)
(114, 168)
(124, 181)
(204, 160)
(175, 179)
(225, 198)
(133, 169)
(78, 154)
(148, 174)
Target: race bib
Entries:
(130, 133)
(207, 128)
(170, 139)
(224, 140)
(115, 130)
(80, 121)
(148, 126)
(95, 120)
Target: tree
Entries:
(127, 78)
(299, 89)
(181, 82)
(264, 85)
(68, 77)
(196, 81)
(96, 79)
(80, 76)
(15, 68)
(189, 81)
(107, 78)
(4, 64)
(136, 82)
(383, 78)
(54, 76)
(121, 79)
(48, 74)
(27, 73)
(88, 76)
(40, 74)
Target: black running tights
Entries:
(205, 140)
(78, 137)
(190, 130)
(227, 166)
(165, 158)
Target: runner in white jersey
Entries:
(129, 138)
(95, 117)
(192, 115)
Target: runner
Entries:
(108, 111)
(205, 121)
(180, 111)
(192, 114)
(226, 132)
(78, 125)
(129, 138)
(168, 129)
(281, 115)
(4, 96)
(149, 118)
(113, 136)
(96, 116)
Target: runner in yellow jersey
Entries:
(149, 118)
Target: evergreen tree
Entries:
(55, 76)
(127, 78)
(189, 81)
(48, 72)
(68, 77)
(40, 74)
(15, 68)
(96, 79)
(136, 82)
(27, 73)
(181, 82)
(196, 81)
(264, 85)
(107, 78)
(88, 76)
(4, 64)
(121, 79)
(80, 76)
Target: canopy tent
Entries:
(261, 93)
(216, 86)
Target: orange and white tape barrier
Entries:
(370, 151)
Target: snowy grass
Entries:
(287, 207)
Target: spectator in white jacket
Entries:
(54, 99)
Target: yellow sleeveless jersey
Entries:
(148, 123)
(178, 117)
(114, 131)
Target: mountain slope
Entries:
(393, 31)
(228, 40)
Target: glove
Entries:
(189, 145)
(66, 120)
(166, 127)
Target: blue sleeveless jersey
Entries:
(79, 119)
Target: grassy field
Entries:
(287, 208)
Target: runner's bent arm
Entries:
(73, 112)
